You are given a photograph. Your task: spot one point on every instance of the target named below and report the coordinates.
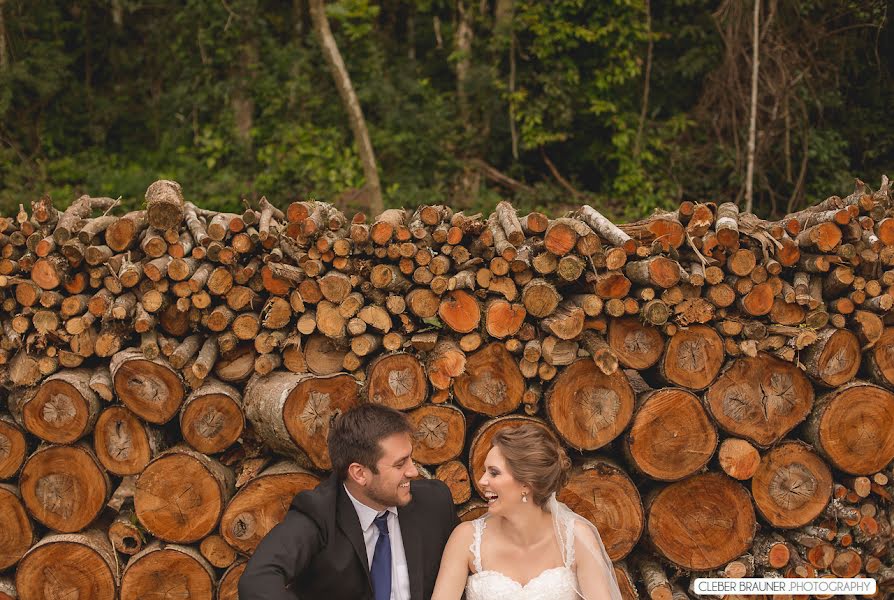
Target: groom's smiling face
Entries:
(391, 485)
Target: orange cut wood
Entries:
(162, 571)
(834, 358)
(605, 495)
(13, 447)
(228, 586)
(439, 433)
(181, 494)
(587, 407)
(124, 444)
(396, 380)
(792, 485)
(17, 531)
(152, 389)
(637, 345)
(738, 458)
(459, 310)
(80, 565)
(492, 383)
(693, 357)
(880, 358)
(671, 436)
(262, 503)
(702, 522)
(853, 427)
(64, 487)
(211, 419)
(64, 409)
(760, 398)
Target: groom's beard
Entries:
(388, 496)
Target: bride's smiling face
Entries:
(501, 490)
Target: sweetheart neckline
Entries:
(518, 583)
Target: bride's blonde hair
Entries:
(534, 457)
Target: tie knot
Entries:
(382, 523)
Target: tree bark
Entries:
(352, 104)
(752, 127)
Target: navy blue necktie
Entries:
(380, 573)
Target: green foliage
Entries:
(234, 100)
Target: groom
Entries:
(368, 532)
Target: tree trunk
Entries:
(64, 409)
(13, 447)
(166, 571)
(352, 104)
(292, 411)
(851, 427)
(440, 432)
(211, 418)
(760, 399)
(792, 485)
(181, 494)
(752, 127)
(492, 383)
(719, 523)
(78, 565)
(587, 407)
(123, 443)
(671, 436)
(604, 494)
(64, 487)
(18, 532)
(228, 586)
(262, 503)
(153, 390)
(693, 357)
(396, 380)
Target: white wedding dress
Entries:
(558, 583)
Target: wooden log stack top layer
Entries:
(724, 384)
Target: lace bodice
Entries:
(552, 584)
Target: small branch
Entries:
(562, 181)
(498, 177)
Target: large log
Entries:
(396, 380)
(167, 571)
(492, 383)
(64, 487)
(604, 494)
(292, 411)
(792, 485)
(181, 495)
(760, 398)
(211, 418)
(671, 436)
(13, 447)
(852, 427)
(262, 503)
(18, 532)
(123, 443)
(152, 389)
(440, 432)
(702, 522)
(75, 565)
(589, 408)
(64, 409)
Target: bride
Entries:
(529, 545)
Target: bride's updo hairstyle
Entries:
(536, 458)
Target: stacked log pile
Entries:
(723, 384)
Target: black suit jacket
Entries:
(318, 552)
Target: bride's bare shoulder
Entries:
(462, 532)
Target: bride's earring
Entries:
(524, 496)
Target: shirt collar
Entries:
(365, 513)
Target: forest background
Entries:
(627, 105)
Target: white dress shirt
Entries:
(400, 578)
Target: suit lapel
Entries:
(409, 531)
(349, 523)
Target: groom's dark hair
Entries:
(355, 435)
